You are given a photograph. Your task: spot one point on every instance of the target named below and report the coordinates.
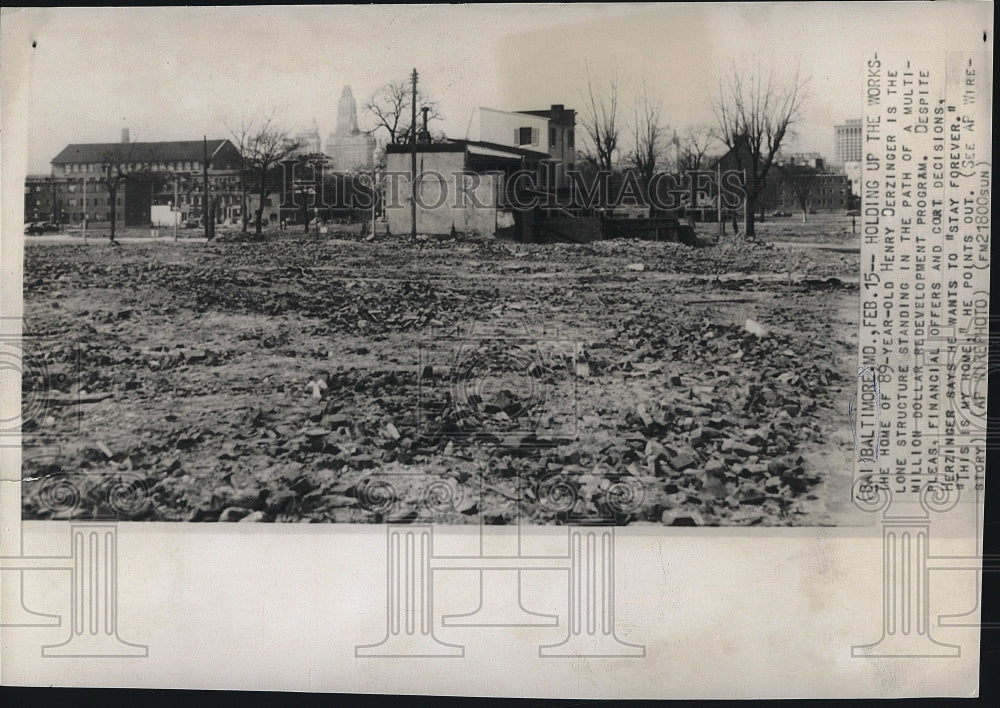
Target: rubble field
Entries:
(469, 380)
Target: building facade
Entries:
(823, 192)
(552, 131)
(309, 141)
(792, 176)
(463, 186)
(157, 174)
(349, 149)
(847, 141)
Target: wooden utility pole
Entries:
(176, 210)
(375, 196)
(413, 157)
(85, 207)
(208, 233)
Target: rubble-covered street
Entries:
(286, 380)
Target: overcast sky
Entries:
(180, 73)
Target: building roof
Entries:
(508, 149)
(493, 152)
(556, 114)
(450, 146)
(166, 151)
(475, 146)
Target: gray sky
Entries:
(179, 73)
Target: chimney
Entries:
(557, 111)
(124, 136)
(424, 136)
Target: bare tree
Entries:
(124, 163)
(600, 122)
(242, 136)
(755, 111)
(801, 179)
(693, 146)
(267, 146)
(389, 107)
(649, 136)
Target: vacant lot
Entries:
(286, 380)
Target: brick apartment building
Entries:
(76, 189)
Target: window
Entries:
(526, 136)
(569, 137)
(552, 137)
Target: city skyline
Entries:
(193, 70)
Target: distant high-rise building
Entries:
(347, 147)
(847, 141)
(309, 141)
(347, 114)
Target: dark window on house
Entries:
(527, 136)
(552, 137)
(569, 137)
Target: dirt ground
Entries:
(469, 380)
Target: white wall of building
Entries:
(501, 126)
(163, 215)
(469, 202)
(853, 171)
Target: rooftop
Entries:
(475, 146)
(167, 151)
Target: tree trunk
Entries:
(260, 206)
(113, 194)
(750, 208)
(243, 200)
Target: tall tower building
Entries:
(347, 114)
(847, 141)
(347, 147)
(847, 150)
